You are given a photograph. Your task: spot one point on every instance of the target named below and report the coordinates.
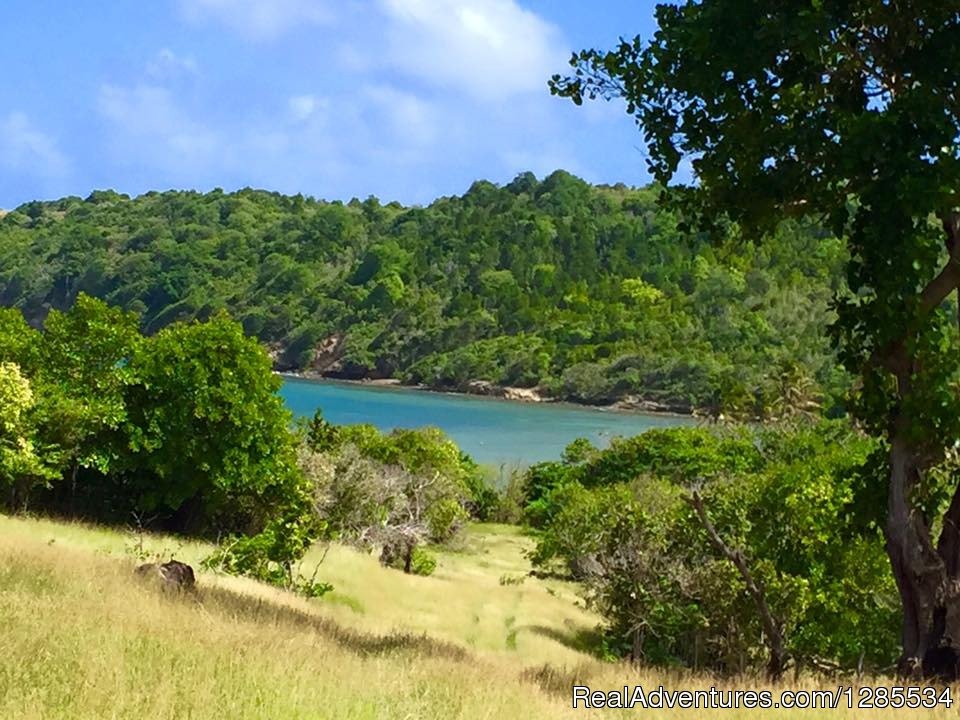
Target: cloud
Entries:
(406, 99)
(405, 118)
(491, 49)
(148, 125)
(258, 19)
(26, 149)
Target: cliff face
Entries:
(327, 354)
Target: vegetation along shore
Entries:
(508, 394)
(554, 287)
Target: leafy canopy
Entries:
(847, 111)
(590, 293)
(205, 415)
(794, 107)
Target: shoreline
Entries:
(500, 394)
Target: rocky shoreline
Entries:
(327, 364)
(485, 388)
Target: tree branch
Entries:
(893, 355)
(771, 625)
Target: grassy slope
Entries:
(79, 639)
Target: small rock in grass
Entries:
(173, 575)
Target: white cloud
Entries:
(258, 19)
(407, 118)
(407, 99)
(148, 124)
(26, 149)
(491, 49)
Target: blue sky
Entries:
(404, 99)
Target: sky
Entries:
(407, 100)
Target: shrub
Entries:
(669, 597)
(394, 491)
(424, 563)
(272, 556)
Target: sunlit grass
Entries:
(80, 639)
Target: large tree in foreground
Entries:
(848, 111)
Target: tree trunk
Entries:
(926, 577)
(636, 647)
(74, 469)
(943, 657)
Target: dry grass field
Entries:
(80, 639)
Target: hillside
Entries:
(82, 640)
(590, 294)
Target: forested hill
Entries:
(588, 293)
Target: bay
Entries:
(493, 432)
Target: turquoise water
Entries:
(493, 431)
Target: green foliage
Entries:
(82, 375)
(578, 451)
(184, 426)
(21, 466)
(688, 453)
(321, 435)
(207, 427)
(666, 594)
(421, 451)
(271, 556)
(483, 498)
(423, 562)
(444, 518)
(19, 343)
(394, 491)
(16, 399)
(589, 293)
(844, 112)
(692, 453)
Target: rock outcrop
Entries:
(485, 387)
(327, 354)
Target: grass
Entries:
(80, 639)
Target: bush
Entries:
(669, 597)
(208, 430)
(272, 556)
(424, 563)
(395, 491)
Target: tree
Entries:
(370, 504)
(207, 425)
(517, 285)
(396, 490)
(84, 357)
(19, 343)
(847, 111)
(21, 466)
